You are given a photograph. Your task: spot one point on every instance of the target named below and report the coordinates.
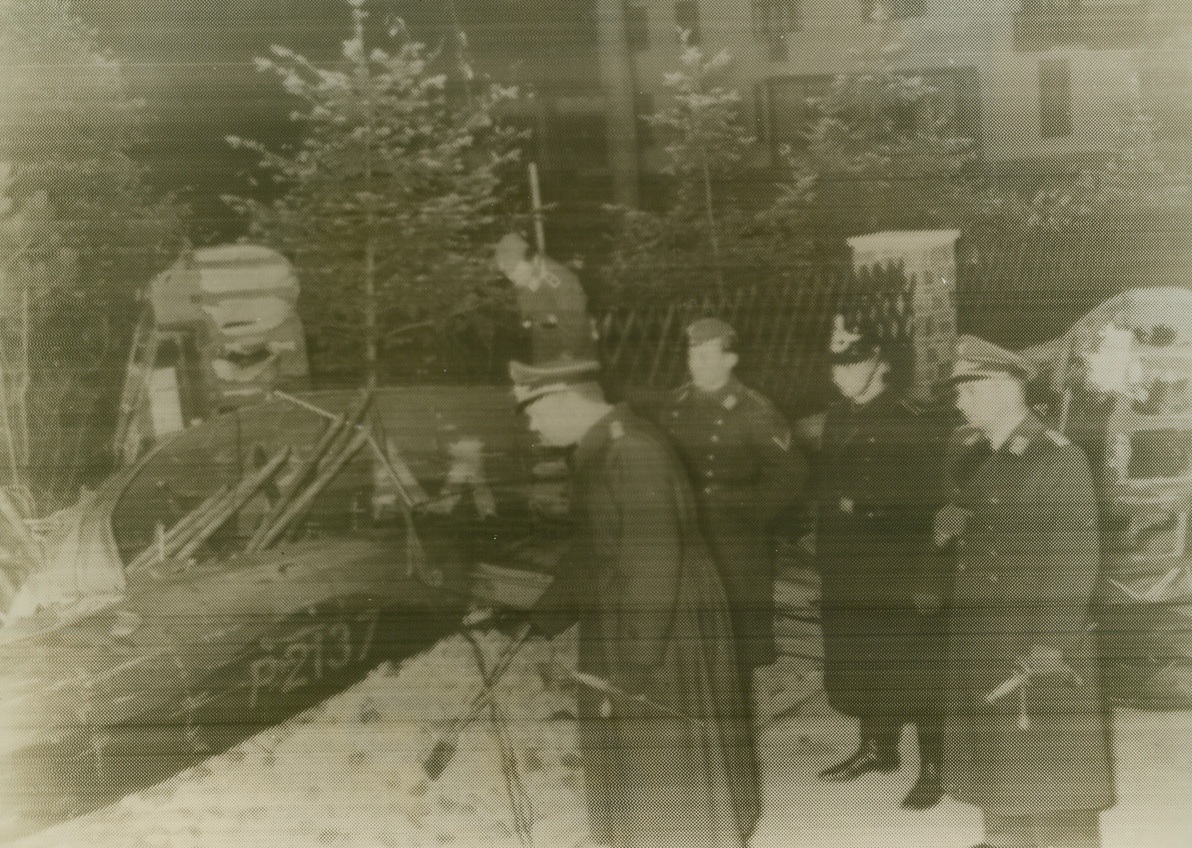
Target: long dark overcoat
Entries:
(653, 618)
(879, 486)
(747, 472)
(1026, 570)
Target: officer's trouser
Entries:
(1055, 829)
(884, 733)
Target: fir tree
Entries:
(706, 237)
(883, 152)
(390, 200)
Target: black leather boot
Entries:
(869, 756)
(927, 791)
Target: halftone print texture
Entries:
(358, 603)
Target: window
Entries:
(1155, 454)
(893, 9)
(1055, 98)
(772, 20)
(637, 25)
(687, 18)
(1096, 24)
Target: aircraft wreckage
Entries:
(247, 567)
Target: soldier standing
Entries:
(668, 760)
(551, 302)
(738, 450)
(884, 583)
(1027, 731)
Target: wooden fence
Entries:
(1017, 292)
(783, 328)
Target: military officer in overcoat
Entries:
(747, 472)
(670, 762)
(884, 583)
(1026, 738)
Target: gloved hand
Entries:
(950, 524)
(1047, 661)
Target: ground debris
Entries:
(349, 771)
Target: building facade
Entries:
(1033, 82)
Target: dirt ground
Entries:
(348, 773)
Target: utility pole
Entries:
(617, 79)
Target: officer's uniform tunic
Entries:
(878, 490)
(1026, 568)
(746, 472)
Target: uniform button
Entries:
(674, 413)
(719, 421)
(707, 490)
(960, 566)
(992, 578)
(872, 439)
(715, 437)
(709, 473)
(711, 456)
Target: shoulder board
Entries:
(1057, 438)
(911, 406)
(616, 429)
